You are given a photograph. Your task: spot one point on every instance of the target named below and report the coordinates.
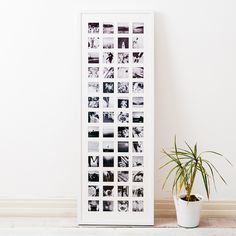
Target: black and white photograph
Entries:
(108, 57)
(123, 57)
(93, 102)
(93, 205)
(123, 206)
(108, 205)
(123, 28)
(93, 42)
(123, 191)
(138, 206)
(108, 87)
(93, 176)
(93, 161)
(138, 117)
(108, 176)
(108, 42)
(93, 72)
(93, 27)
(123, 161)
(123, 146)
(123, 87)
(108, 72)
(138, 87)
(138, 28)
(108, 117)
(137, 191)
(93, 57)
(108, 28)
(93, 117)
(108, 161)
(137, 176)
(138, 102)
(93, 146)
(137, 42)
(123, 117)
(108, 102)
(138, 57)
(123, 176)
(137, 132)
(138, 72)
(93, 131)
(93, 191)
(123, 132)
(138, 146)
(137, 161)
(93, 87)
(108, 132)
(123, 72)
(108, 191)
(123, 42)
(123, 102)
(108, 146)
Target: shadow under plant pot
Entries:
(188, 212)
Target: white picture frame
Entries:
(117, 123)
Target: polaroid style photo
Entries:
(137, 43)
(138, 28)
(123, 72)
(108, 205)
(108, 132)
(108, 87)
(93, 176)
(93, 87)
(108, 57)
(108, 191)
(123, 161)
(108, 117)
(108, 176)
(138, 72)
(93, 161)
(123, 57)
(93, 205)
(93, 117)
(108, 102)
(123, 132)
(108, 146)
(137, 176)
(93, 57)
(138, 146)
(138, 132)
(93, 191)
(123, 117)
(123, 146)
(108, 161)
(108, 72)
(123, 191)
(123, 28)
(138, 206)
(93, 27)
(108, 28)
(93, 72)
(123, 206)
(137, 57)
(137, 191)
(123, 102)
(93, 132)
(123, 42)
(123, 176)
(93, 146)
(93, 42)
(93, 102)
(138, 87)
(138, 102)
(123, 87)
(138, 117)
(137, 161)
(108, 43)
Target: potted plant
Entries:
(186, 164)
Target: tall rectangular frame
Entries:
(115, 217)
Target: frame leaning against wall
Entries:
(117, 118)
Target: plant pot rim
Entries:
(179, 197)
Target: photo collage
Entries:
(115, 116)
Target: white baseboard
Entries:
(67, 208)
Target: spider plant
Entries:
(186, 164)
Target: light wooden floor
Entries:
(38, 226)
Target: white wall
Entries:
(39, 88)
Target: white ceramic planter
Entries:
(188, 213)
